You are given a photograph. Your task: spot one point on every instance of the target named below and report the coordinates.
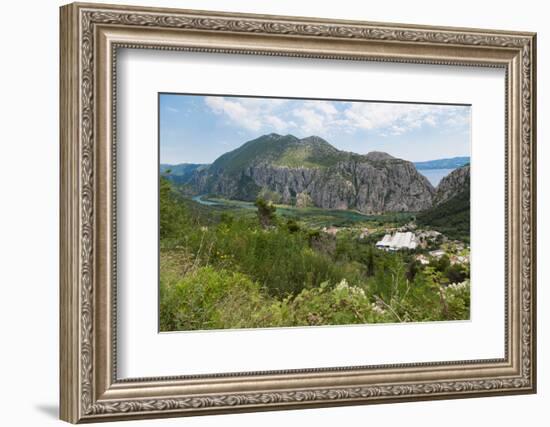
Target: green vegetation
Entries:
(279, 150)
(312, 217)
(451, 217)
(296, 157)
(264, 265)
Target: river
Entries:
(199, 200)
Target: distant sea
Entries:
(435, 175)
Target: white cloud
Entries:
(311, 120)
(328, 117)
(399, 119)
(277, 124)
(235, 111)
(324, 107)
(251, 113)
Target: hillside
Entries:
(287, 168)
(450, 214)
(181, 173)
(453, 184)
(279, 150)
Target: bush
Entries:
(333, 305)
(266, 212)
(209, 299)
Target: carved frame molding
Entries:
(90, 36)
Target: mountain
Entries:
(453, 184)
(181, 173)
(452, 163)
(290, 169)
(279, 150)
(450, 213)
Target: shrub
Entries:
(327, 304)
(266, 212)
(209, 299)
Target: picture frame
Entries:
(91, 37)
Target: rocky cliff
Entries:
(453, 184)
(310, 168)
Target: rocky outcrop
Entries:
(377, 156)
(453, 184)
(368, 186)
(310, 171)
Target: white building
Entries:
(398, 241)
(333, 231)
(438, 253)
(364, 233)
(422, 259)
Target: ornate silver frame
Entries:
(90, 36)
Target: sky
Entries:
(198, 128)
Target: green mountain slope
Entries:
(181, 173)
(290, 168)
(280, 150)
(451, 217)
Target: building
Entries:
(364, 233)
(398, 241)
(459, 259)
(438, 253)
(333, 231)
(422, 259)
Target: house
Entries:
(459, 259)
(438, 253)
(331, 230)
(364, 233)
(422, 259)
(385, 242)
(429, 235)
(398, 241)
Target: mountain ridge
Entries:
(443, 163)
(291, 169)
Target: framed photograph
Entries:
(266, 212)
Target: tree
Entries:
(443, 263)
(172, 213)
(456, 273)
(266, 212)
(370, 262)
(292, 226)
(412, 270)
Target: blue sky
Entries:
(198, 129)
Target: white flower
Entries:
(352, 290)
(377, 309)
(459, 286)
(342, 285)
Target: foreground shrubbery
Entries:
(219, 271)
(208, 298)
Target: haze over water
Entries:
(435, 175)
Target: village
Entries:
(428, 245)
